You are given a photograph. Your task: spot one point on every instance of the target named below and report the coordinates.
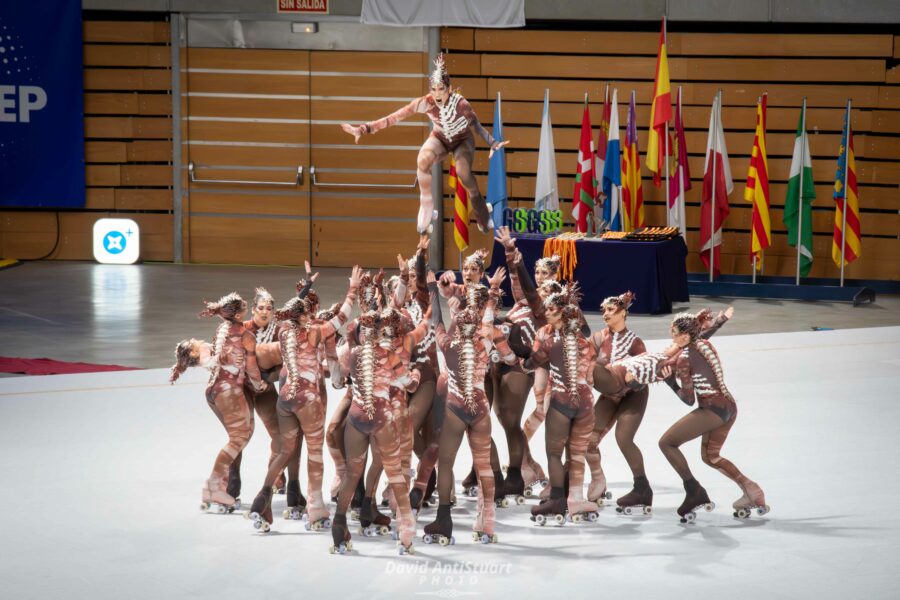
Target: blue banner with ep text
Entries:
(41, 104)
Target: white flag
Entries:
(546, 190)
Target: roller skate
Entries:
(261, 510)
(429, 489)
(499, 490)
(597, 491)
(639, 500)
(479, 531)
(581, 510)
(695, 499)
(470, 484)
(552, 510)
(296, 503)
(534, 476)
(216, 500)
(441, 530)
(233, 488)
(513, 488)
(416, 500)
(279, 486)
(340, 535)
(371, 522)
(356, 500)
(753, 499)
(316, 516)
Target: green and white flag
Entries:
(792, 204)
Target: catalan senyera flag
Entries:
(757, 189)
(660, 111)
(460, 209)
(632, 192)
(852, 232)
(583, 198)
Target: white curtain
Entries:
(452, 13)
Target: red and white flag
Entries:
(714, 207)
(680, 177)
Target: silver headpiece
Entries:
(439, 75)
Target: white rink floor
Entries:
(102, 473)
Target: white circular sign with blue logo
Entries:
(116, 241)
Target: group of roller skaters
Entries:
(417, 385)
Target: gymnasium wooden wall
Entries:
(128, 148)
(827, 69)
(256, 115)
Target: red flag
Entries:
(713, 212)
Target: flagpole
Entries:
(800, 203)
(666, 143)
(755, 208)
(846, 179)
(712, 205)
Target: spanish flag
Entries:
(461, 209)
(848, 230)
(660, 111)
(757, 189)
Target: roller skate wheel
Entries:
(354, 515)
(307, 526)
(560, 520)
(648, 510)
(520, 500)
(540, 519)
(627, 510)
(472, 492)
(236, 505)
(710, 506)
(504, 503)
(326, 523)
(620, 510)
(763, 510)
(689, 518)
(607, 495)
(577, 518)
(592, 517)
(286, 515)
(476, 537)
(446, 541)
(204, 506)
(331, 550)
(529, 493)
(427, 538)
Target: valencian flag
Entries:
(583, 198)
(852, 232)
(632, 194)
(716, 160)
(660, 111)
(496, 186)
(680, 177)
(612, 172)
(460, 209)
(757, 190)
(792, 204)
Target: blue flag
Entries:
(496, 187)
(612, 173)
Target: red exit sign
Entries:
(319, 7)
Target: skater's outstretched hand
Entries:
(497, 278)
(495, 147)
(729, 312)
(355, 277)
(310, 276)
(424, 241)
(379, 277)
(430, 277)
(356, 132)
(505, 239)
(401, 262)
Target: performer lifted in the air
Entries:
(453, 124)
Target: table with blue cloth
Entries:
(654, 271)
